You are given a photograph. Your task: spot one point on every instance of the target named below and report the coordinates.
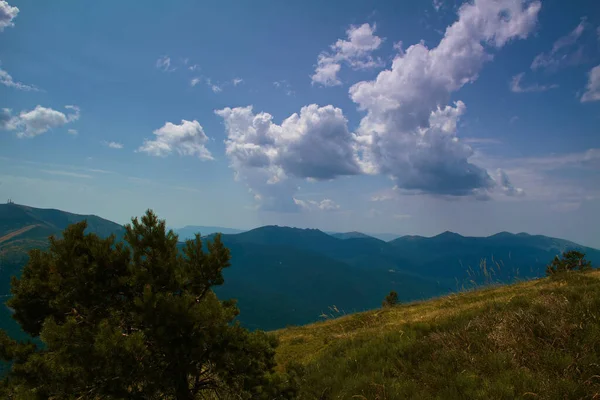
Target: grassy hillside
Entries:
(534, 340)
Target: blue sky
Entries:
(384, 116)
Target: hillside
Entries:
(28, 227)
(536, 339)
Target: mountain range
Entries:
(288, 276)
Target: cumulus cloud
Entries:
(507, 187)
(355, 52)
(7, 80)
(516, 86)
(187, 139)
(237, 81)
(314, 144)
(113, 145)
(562, 52)
(7, 14)
(37, 121)
(408, 132)
(312, 205)
(592, 89)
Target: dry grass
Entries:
(535, 338)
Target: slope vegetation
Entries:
(536, 339)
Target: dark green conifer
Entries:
(133, 320)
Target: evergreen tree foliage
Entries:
(390, 300)
(133, 320)
(571, 261)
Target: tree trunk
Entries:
(182, 391)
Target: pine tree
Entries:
(390, 300)
(133, 320)
(571, 261)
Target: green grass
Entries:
(533, 340)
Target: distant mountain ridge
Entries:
(283, 275)
(189, 231)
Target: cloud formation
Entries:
(7, 14)
(314, 144)
(408, 132)
(592, 89)
(186, 139)
(164, 64)
(355, 52)
(516, 87)
(7, 80)
(562, 52)
(37, 121)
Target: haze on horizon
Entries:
(387, 117)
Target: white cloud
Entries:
(7, 80)
(195, 81)
(560, 55)
(407, 131)
(216, 88)
(194, 67)
(515, 85)
(356, 52)
(313, 144)
(187, 139)
(75, 115)
(37, 121)
(592, 89)
(72, 132)
(7, 14)
(312, 205)
(164, 64)
(237, 81)
(113, 145)
(507, 187)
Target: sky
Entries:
(405, 117)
